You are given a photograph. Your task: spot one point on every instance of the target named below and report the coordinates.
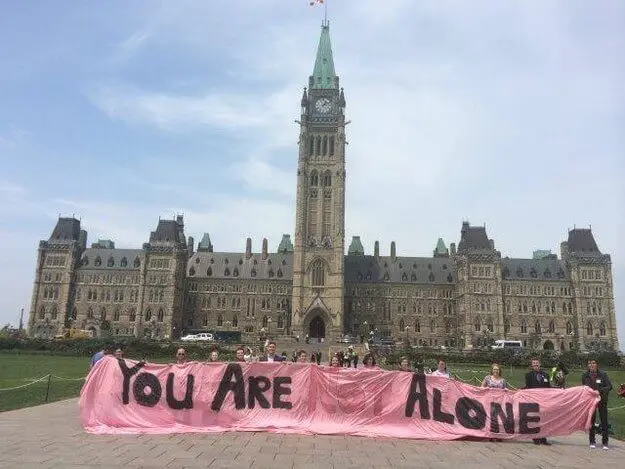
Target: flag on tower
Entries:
(315, 2)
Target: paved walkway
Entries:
(50, 436)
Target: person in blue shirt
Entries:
(108, 350)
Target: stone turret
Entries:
(248, 248)
(376, 250)
(393, 251)
(356, 248)
(286, 245)
(265, 249)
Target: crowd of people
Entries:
(593, 377)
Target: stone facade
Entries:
(462, 297)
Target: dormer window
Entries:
(519, 272)
(192, 272)
(404, 277)
(506, 272)
(271, 274)
(450, 278)
(253, 272)
(533, 273)
(235, 272)
(279, 273)
(431, 277)
(560, 273)
(209, 271)
(227, 272)
(124, 262)
(98, 261)
(413, 277)
(547, 273)
(386, 276)
(110, 262)
(85, 260)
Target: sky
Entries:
(508, 114)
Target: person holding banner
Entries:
(537, 378)
(495, 380)
(441, 369)
(181, 356)
(599, 381)
(240, 355)
(404, 364)
(302, 356)
(271, 354)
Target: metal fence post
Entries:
(48, 388)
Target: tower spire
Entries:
(324, 76)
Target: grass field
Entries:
(67, 375)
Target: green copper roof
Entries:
(285, 244)
(440, 246)
(355, 248)
(323, 73)
(205, 244)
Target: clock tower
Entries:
(318, 262)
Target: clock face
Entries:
(323, 105)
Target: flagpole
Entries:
(325, 12)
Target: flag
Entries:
(315, 2)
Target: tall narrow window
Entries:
(160, 315)
(311, 146)
(318, 274)
(313, 203)
(327, 216)
(332, 146)
(318, 146)
(327, 178)
(324, 148)
(314, 178)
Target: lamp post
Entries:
(407, 330)
(269, 328)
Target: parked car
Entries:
(201, 337)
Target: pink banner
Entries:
(127, 397)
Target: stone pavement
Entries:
(50, 436)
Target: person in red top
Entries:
(599, 381)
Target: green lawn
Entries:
(68, 372)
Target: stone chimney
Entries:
(564, 251)
(376, 250)
(265, 249)
(191, 245)
(393, 251)
(452, 249)
(248, 248)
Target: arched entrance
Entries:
(317, 328)
(548, 345)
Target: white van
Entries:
(507, 344)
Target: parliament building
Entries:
(463, 296)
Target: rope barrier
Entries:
(27, 384)
(67, 379)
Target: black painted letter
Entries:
(421, 396)
(507, 417)
(257, 386)
(187, 402)
(467, 406)
(226, 384)
(128, 373)
(280, 388)
(138, 389)
(525, 408)
(439, 415)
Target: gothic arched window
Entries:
(569, 328)
(314, 178)
(235, 321)
(589, 328)
(331, 145)
(148, 314)
(324, 150)
(552, 326)
(311, 146)
(602, 329)
(160, 315)
(327, 178)
(318, 274)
